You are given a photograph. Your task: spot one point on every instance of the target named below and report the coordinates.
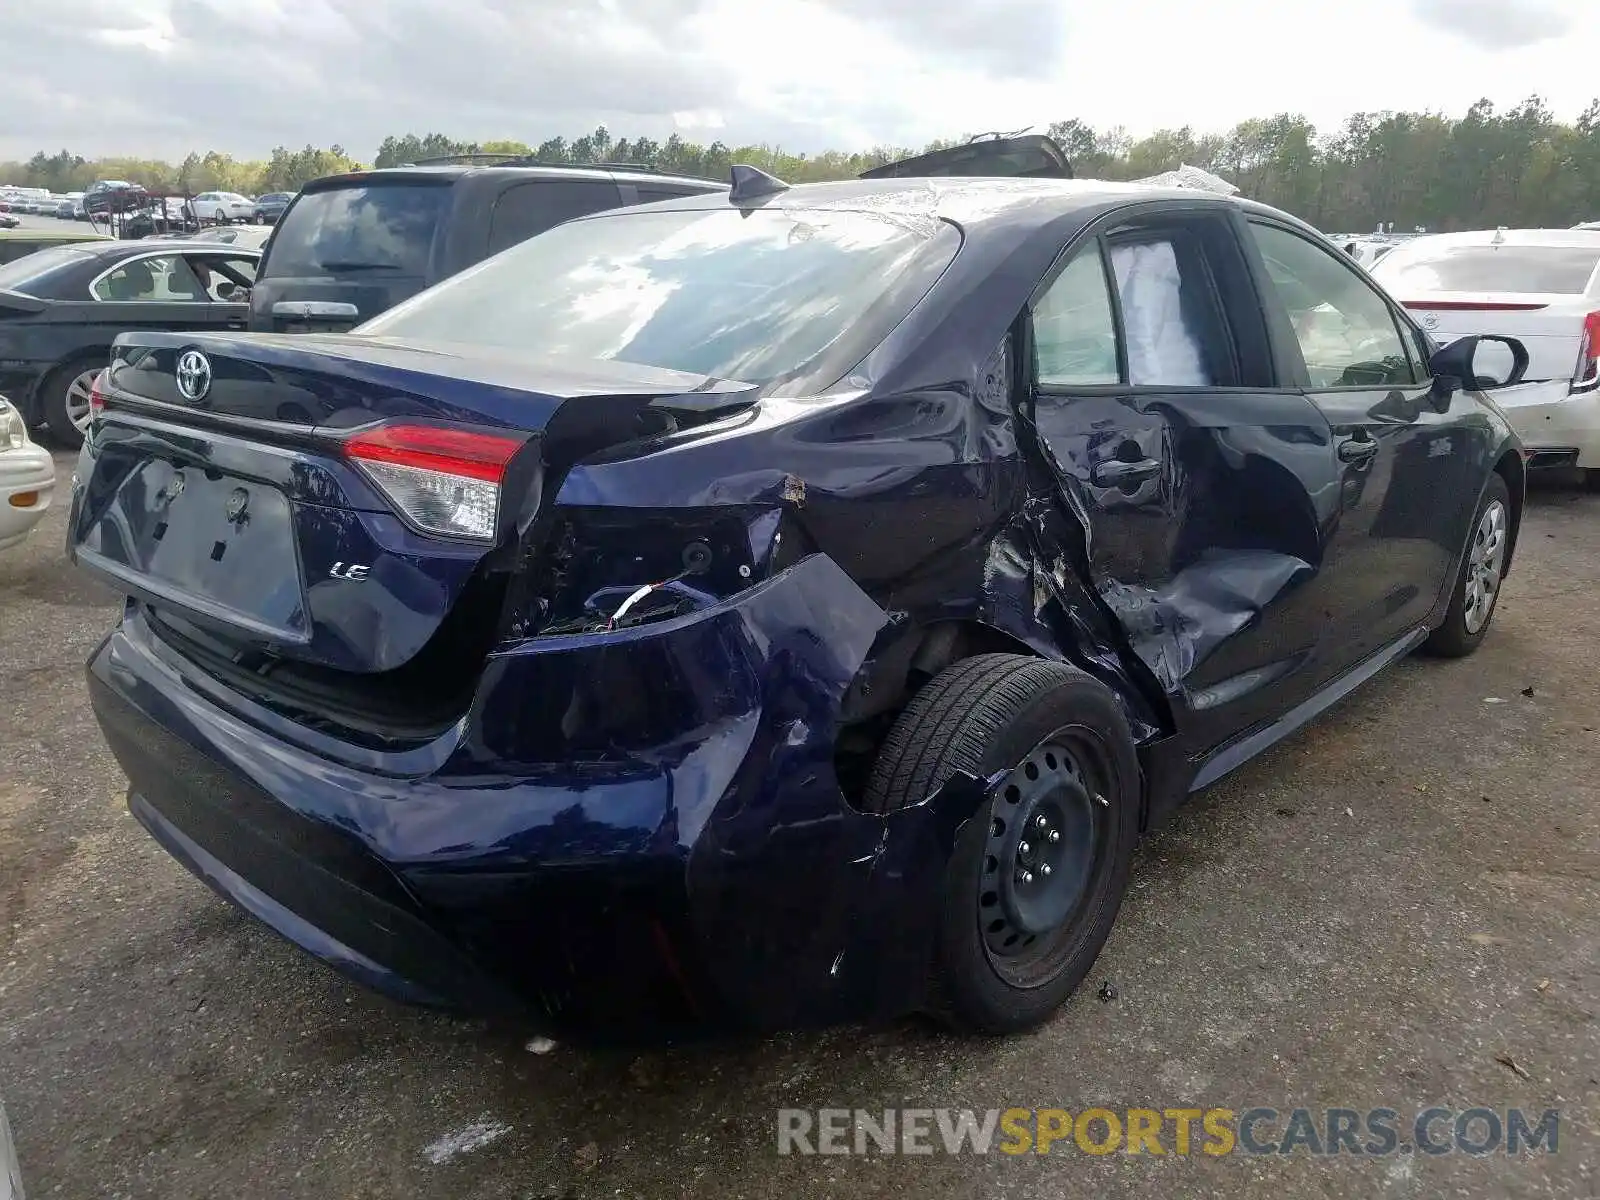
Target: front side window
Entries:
(758, 296)
(1074, 332)
(1346, 331)
(164, 280)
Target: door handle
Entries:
(1357, 449)
(1116, 473)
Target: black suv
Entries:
(350, 246)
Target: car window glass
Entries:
(378, 231)
(1346, 331)
(218, 273)
(532, 208)
(759, 295)
(1163, 348)
(166, 279)
(1074, 332)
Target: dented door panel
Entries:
(1212, 565)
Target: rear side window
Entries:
(1563, 270)
(532, 208)
(382, 229)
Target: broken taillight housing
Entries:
(97, 396)
(1586, 374)
(443, 481)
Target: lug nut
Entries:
(1042, 822)
(1044, 868)
(1024, 848)
(1027, 877)
(1055, 835)
(1103, 802)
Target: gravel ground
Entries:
(1387, 910)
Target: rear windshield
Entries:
(1557, 269)
(15, 276)
(755, 296)
(384, 229)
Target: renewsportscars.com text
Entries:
(1216, 1132)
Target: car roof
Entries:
(63, 236)
(969, 201)
(116, 248)
(552, 171)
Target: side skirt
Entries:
(1240, 751)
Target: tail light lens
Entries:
(444, 481)
(97, 396)
(1586, 374)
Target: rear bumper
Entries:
(709, 873)
(1556, 428)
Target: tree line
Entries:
(1519, 167)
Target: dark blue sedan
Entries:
(781, 606)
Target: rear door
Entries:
(347, 249)
(1206, 484)
(1033, 156)
(1406, 470)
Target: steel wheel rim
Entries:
(78, 409)
(1485, 560)
(1027, 915)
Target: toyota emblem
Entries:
(194, 375)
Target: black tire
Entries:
(53, 398)
(1006, 712)
(1461, 634)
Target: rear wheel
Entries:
(1477, 587)
(65, 393)
(1037, 876)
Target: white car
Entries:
(27, 478)
(1541, 286)
(223, 206)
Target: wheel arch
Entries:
(1510, 467)
(34, 413)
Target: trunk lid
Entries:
(241, 509)
(1550, 325)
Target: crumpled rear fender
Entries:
(695, 757)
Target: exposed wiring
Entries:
(633, 598)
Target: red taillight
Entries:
(444, 481)
(97, 395)
(1586, 372)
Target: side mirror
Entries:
(1479, 361)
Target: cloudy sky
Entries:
(161, 77)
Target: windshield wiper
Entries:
(337, 265)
